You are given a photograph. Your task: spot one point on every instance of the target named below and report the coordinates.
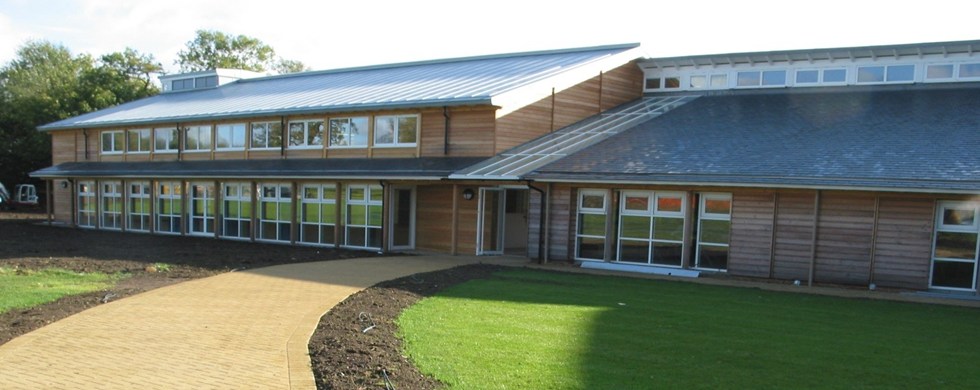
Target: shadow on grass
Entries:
(639, 333)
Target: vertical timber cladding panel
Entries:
(434, 211)
(844, 238)
(751, 236)
(471, 131)
(903, 246)
(561, 235)
(534, 224)
(794, 235)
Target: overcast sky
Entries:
(327, 34)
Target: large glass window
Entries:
(112, 205)
(138, 141)
(396, 130)
(86, 204)
(266, 135)
(276, 211)
(319, 220)
(197, 138)
(166, 139)
(138, 206)
(714, 228)
(969, 70)
(201, 209)
(651, 227)
(230, 136)
(349, 132)
(590, 235)
(364, 216)
(307, 134)
(237, 210)
(954, 257)
(169, 207)
(113, 141)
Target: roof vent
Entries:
(204, 79)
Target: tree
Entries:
(214, 49)
(46, 83)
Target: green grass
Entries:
(21, 289)
(530, 329)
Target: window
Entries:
(276, 211)
(653, 83)
(748, 79)
(774, 78)
(672, 82)
(939, 72)
(898, 73)
(111, 205)
(590, 235)
(205, 82)
(349, 132)
(166, 139)
(319, 220)
(201, 209)
(889, 74)
(364, 207)
(396, 130)
(138, 206)
(651, 227)
(113, 141)
(86, 204)
(197, 138)
(139, 141)
(714, 228)
(180, 85)
(306, 134)
(871, 74)
(698, 82)
(266, 135)
(969, 70)
(834, 75)
(810, 76)
(169, 207)
(719, 81)
(954, 255)
(230, 136)
(237, 210)
(769, 78)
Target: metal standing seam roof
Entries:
(520, 160)
(472, 80)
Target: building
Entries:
(848, 165)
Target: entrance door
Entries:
(402, 218)
(490, 222)
(515, 221)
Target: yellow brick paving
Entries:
(239, 330)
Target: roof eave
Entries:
(842, 187)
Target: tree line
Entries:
(46, 82)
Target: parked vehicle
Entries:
(24, 195)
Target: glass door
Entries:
(402, 218)
(490, 222)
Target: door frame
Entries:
(412, 217)
(501, 218)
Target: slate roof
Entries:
(905, 138)
(460, 81)
(431, 168)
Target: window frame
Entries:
(368, 202)
(320, 202)
(940, 227)
(582, 210)
(396, 131)
(704, 215)
(174, 197)
(144, 212)
(282, 224)
(114, 137)
(218, 129)
(205, 217)
(201, 132)
(306, 134)
(243, 199)
(651, 212)
(172, 135)
(271, 125)
(111, 205)
(350, 120)
(139, 149)
(87, 204)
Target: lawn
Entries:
(535, 329)
(27, 288)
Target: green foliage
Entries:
(532, 329)
(27, 288)
(214, 49)
(47, 83)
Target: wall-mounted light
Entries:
(468, 194)
(64, 184)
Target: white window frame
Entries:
(320, 202)
(367, 202)
(265, 145)
(242, 197)
(199, 132)
(941, 227)
(114, 136)
(203, 192)
(139, 206)
(278, 197)
(703, 215)
(652, 212)
(305, 126)
(168, 135)
(87, 204)
(139, 132)
(349, 120)
(232, 129)
(110, 199)
(175, 199)
(591, 211)
(396, 131)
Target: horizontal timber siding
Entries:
(434, 210)
(751, 238)
(903, 246)
(845, 234)
(794, 236)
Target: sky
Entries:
(330, 34)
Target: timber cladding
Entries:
(434, 210)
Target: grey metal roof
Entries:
(429, 168)
(809, 55)
(916, 138)
(473, 80)
(520, 160)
